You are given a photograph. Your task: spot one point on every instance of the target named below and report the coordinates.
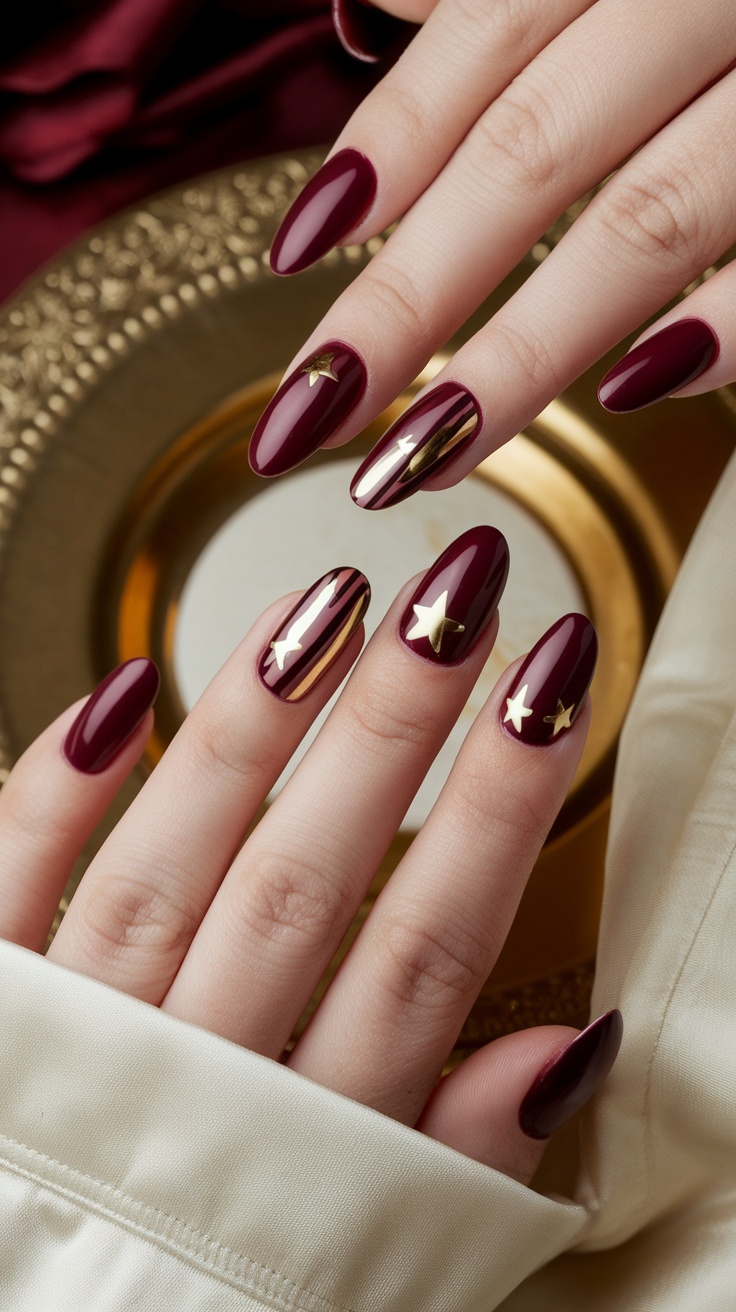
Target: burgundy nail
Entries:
(368, 33)
(326, 209)
(429, 434)
(314, 633)
(457, 596)
(572, 1077)
(307, 409)
(659, 366)
(112, 714)
(550, 688)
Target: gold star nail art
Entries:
(517, 711)
(561, 718)
(291, 643)
(432, 622)
(319, 367)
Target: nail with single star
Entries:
(550, 688)
(457, 597)
(426, 437)
(314, 633)
(309, 407)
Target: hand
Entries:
(498, 116)
(176, 910)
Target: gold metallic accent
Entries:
(143, 463)
(432, 622)
(319, 367)
(341, 639)
(376, 473)
(561, 720)
(291, 643)
(517, 711)
(440, 444)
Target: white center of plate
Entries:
(304, 525)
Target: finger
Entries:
(665, 217)
(393, 1012)
(545, 141)
(501, 1105)
(455, 66)
(141, 901)
(60, 789)
(295, 888)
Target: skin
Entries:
(175, 911)
(497, 117)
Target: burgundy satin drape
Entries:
(102, 103)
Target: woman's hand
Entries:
(498, 116)
(176, 910)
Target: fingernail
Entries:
(307, 409)
(572, 1077)
(456, 598)
(368, 33)
(314, 633)
(549, 690)
(326, 209)
(661, 365)
(426, 437)
(111, 716)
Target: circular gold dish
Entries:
(132, 372)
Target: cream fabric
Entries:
(147, 1164)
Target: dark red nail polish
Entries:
(307, 409)
(457, 596)
(368, 33)
(112, 714)
(326, 210)
(572, 1077)
(314, 633)
(659, 366)
(426, 437)
(550, 688)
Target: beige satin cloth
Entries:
(147, 1164)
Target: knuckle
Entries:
(287, 899)
(120, 912)
(216, 750)
(398, 303)
(382, 721)
(652, 216)
(431, 970)
(524, 352)
(512, 22)
(406, 115)
(520, 127)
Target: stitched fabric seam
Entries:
(172, 1233)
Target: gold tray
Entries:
(132, 371)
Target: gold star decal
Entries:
(561, 718)
(517, 711)
(319, 367)
(432, 622)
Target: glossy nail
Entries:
(572, 1077)
(457, 597)
(307, 409)
(112, 714)
(661, 365)
(549, 690)
(326, 210)
(314, 633)
(426, 437)
(368, 33)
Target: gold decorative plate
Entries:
(132, 371)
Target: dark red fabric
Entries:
(117, 99)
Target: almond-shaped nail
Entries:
(309, 407)
(572, 1077)
(430, 433)
(111, 715)
(665, 362)
(367, 32)
(327, 208)
(457, 597)
(550, 688)
(314, 633)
